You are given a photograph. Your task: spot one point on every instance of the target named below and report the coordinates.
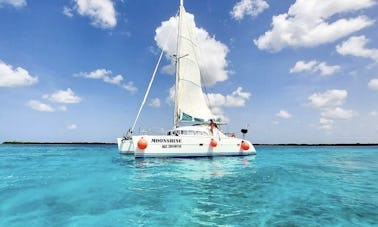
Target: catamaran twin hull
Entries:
(185, 146)
(125, 146)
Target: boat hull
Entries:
(190, 146)
(125, 146)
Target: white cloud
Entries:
(10, 77)
(373, 113)
(373, 84)
(218, 111)
(71, 127)
(314, 66)
(236, 99)
(355, 46)
(338, 113)
(248, 7)
(43, 107)
(302, 66)
(155, 102)
(169, 69)
(212, 58)
(68, 11)
(102, 74)
(130, 87)
(329, 104)
(101, 12)
(310, 23)
(283, 114)
(62, 96)
(14, 3)
(171, 96)
(326, 124)
(115, 80)
(326, 70)
(330, 98)
(218, 101)
(62, 108)
(106, 76)
(39, 106)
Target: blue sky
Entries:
(298, 71)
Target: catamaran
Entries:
(202, 138)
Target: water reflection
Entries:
(200, 189)
(190, 168)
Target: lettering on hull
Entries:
(165, 140)
(170, 146)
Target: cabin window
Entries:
(187, 132)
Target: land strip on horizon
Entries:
(256, 144)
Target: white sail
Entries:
(191, 104)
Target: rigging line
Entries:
(150, 84)
(148, 90)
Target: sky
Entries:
(294, 71)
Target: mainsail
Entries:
(190, 103)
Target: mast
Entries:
(178, 54)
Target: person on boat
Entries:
(212, 125)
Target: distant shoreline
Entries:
(58, 143)
(318, 145)
(257, 144)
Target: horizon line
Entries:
(255, 144)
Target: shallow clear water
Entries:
(92, 185)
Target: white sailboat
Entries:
(201, 139)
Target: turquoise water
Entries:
(65, 185)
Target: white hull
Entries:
(192, 141)
(189, 146)
(125, 146)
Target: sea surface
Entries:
(92, 185)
